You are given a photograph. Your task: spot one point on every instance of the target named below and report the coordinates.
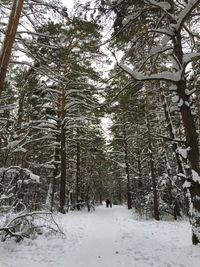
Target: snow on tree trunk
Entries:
(171, 131)
(192, 144)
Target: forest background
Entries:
(54, 156)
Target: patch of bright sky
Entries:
(69, 3)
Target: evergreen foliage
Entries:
(53, 154)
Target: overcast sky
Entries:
(69, 3)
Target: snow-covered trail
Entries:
(102, 245)
(106, 238)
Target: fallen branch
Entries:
(24, 226)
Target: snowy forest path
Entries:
(107, 237)
(103, 242)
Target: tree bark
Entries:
(78, 171)
(129, 200)
(192, 143)
(56, 169)
(171, 132)
(9, 39)
(151, 162)
(62, 154)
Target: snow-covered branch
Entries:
(192, 4)
(163, 76)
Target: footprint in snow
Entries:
(125, 235)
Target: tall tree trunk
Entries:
(100, 183)
(192, 143)
(129, 199)
(139, 189)
(151, 161)
(62, 154)
(139, 166)
(56, 169)
(120, 191)
(171, 131)
(9, 39)
(78, 171)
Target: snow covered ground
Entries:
(110, 237)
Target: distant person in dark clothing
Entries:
(107, 202)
